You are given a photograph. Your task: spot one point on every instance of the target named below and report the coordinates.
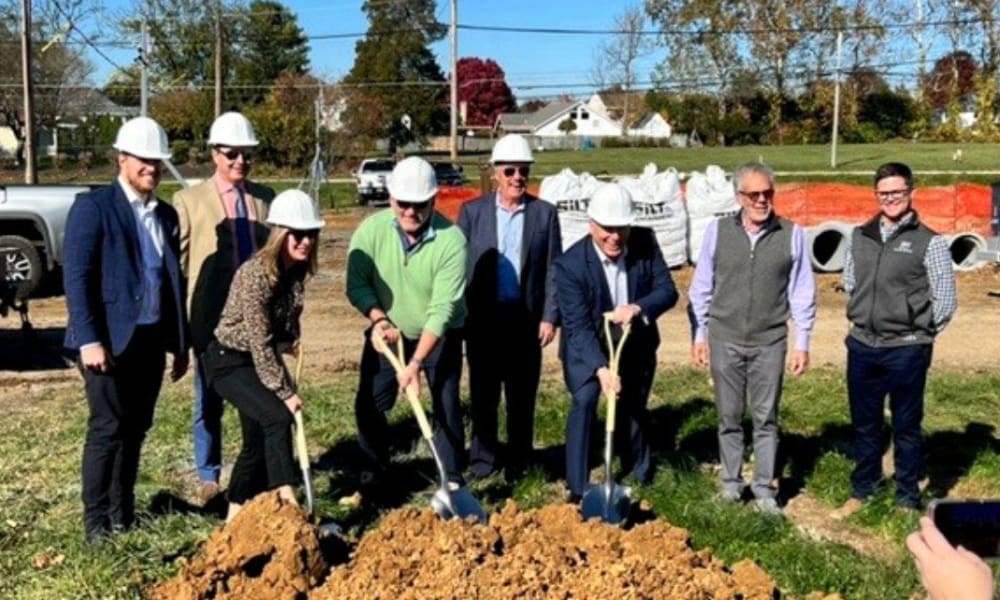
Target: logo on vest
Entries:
(904, 246)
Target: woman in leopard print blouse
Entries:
(259, 323)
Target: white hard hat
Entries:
(611, 206)
(413, 180)
(143, 137)
(512, 148)
(294, 209)
(232, 129)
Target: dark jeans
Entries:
(900, 373)
(503, 353)
(378, 388)
(121, 402)
(631, 439)
(265, 461)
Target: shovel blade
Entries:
(611, 506)
(457, 503)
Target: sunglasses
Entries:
(234, 153)
(522, 171)
(417, 206)
(300, 234)
(762, 195)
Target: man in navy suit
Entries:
(124, 295)
(619, 269)
(513, 239)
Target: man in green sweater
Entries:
(406, 275)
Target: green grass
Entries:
(42, 555)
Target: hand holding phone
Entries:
(972, 524)
(947, 572)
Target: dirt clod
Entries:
(271, 551)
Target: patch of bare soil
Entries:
(812, 518)
(270, 551)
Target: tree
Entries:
(59, 69)
(953, 79)
(185, 114)
(482, 87)
(270, 42)
(183, 39)
(395, 71)
(122, 87)
(567, 125)
(285, 122)
(616, 58)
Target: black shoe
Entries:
(480, 473)
(96, 537)
(573, 498)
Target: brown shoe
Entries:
(847, 509)
(208, 491)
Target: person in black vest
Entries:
(752, 275)
(902, 294)
(513, 240)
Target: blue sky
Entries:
(559, 63)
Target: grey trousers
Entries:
(741, 374)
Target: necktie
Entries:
(244, 238)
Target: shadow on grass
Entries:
(950, 454)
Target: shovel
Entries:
(302, 454)
(608, 501)
(450, 499)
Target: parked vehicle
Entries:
(371, 178)
(32, 226)
(448, 174)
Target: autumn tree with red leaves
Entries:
(482, 87)
(952, 78)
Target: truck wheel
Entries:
(22, 266)
(362, 200)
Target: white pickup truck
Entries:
(372, 179)
(32, 226)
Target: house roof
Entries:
(87, 101)
(514, 122)
(614, 102)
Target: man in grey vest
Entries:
(902, 294)
(752, 274)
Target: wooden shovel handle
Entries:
(614, 355)
(411, 392)
(300, 442)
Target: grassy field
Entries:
(42, 555)
(856, 162)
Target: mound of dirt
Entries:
(547, 553)
(269, 550)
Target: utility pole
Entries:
(144, 70)
(454, 81)
(30, 171)
(218, 59)
(836, 106)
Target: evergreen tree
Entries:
(395, 72)
(268, 43)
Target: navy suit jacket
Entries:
(541, 244)
(102, 273)
(584, 297)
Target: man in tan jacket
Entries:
(221, 225)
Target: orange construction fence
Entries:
(950, 209)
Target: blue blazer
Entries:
(102, 273)
(584, 297)
(540, 246)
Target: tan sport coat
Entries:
(207, 250)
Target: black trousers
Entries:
(265, 461)
(121, 402)
(378, 389)
(503, 353)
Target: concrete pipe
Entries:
(827, 245)
(965, 248)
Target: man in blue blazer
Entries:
(513, 239)
(618, 268)
(124, 295)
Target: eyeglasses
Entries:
(234, 153)
(300, 234)
(892, 195)
(417, 206)
(522, 171)
(767, 195)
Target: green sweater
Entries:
(420, 289)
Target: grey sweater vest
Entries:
(750, 298)
(891, 301)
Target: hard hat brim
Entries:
(614, 222)
(217, 142)
(295, 224)
(146, 155)
(410, 198)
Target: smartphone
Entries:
(972, 524)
